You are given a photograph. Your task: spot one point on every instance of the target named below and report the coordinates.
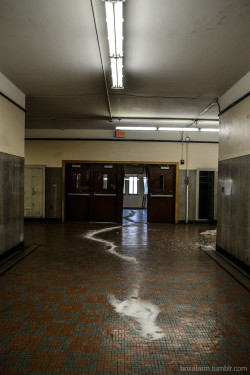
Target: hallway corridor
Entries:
(132, 299)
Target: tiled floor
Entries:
(146, 301)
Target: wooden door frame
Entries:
(64, 162)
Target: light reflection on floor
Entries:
(134, 215)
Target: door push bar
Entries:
(160, 196)
(82, 194)
(95, 195)
(104, 195)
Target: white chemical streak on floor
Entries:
(91, 236)
(208, 247)
(143, 312)
(210, 232)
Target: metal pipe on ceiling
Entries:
(122, 118)
(215, 101)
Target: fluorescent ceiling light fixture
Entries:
(209, 130)
(136, 127)
(114, 20)
(179, 129)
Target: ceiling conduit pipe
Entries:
(215, 101)
(103, 70)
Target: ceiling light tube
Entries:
(136, 127)
(118, 28)
(119, 67)
(209, 130)
(208, 122)
(179, 121)
(114, 72)
(179, 129)
(110, 26)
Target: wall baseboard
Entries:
(233, 259)
(207, 222)
(11, 252)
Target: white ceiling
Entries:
(180, 55)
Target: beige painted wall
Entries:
(51, 153)
(12, 123)
(234, 134)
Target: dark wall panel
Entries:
(233, 227)
(11, 201)
(53, 193)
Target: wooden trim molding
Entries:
(119, 162)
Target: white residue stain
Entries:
(210, 232)
(208, 247)
(143, 312)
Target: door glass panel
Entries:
(105, 181)
(145, 182)
(161, 182)
(78, 180)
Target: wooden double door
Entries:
(94, 192)
(161, 193)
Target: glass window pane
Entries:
(162, 182)
(135, 185)
(145, 182)
(105, 181)
(130, 186)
